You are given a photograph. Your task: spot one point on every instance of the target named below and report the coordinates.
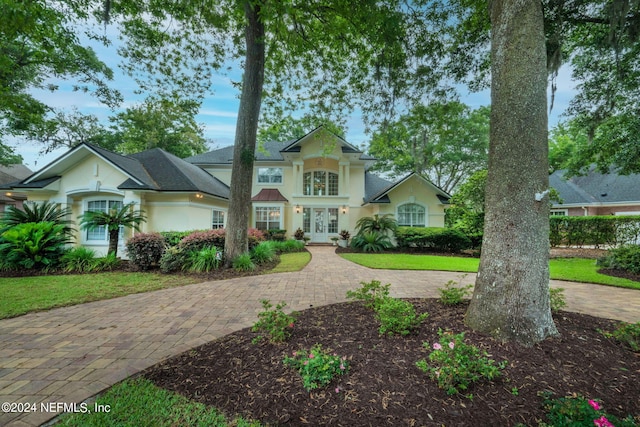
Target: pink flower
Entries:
(337, 389)
(602, 422)
(451, 345)
(311, 356)
(291, 325)
(295, 353)
(306, 362)
(594, 405)
(342, 368)
(437, 346)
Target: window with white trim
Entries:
(100, 233)
(218, 219)
(320, 183)
(269, 175)
(268, 218)
(411, 215)
(559, 212)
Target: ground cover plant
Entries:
(383, 385)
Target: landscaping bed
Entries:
(384, 386)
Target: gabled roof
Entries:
(596, 188)
(13, 173)
(376, 193)
(270, 151)
(155, 170)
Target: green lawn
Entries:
(139, 402)
(21, 295)
(573, 269)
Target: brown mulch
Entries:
(384, 387)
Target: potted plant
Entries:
(299, 234)
(334, 239)
(344, 238)
(306, 239)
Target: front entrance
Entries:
(321, 223)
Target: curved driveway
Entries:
(69, 354)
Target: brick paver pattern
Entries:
(72, 353)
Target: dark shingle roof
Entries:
(374, 185)
(596, 187)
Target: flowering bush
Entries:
(275, 323)
(576, 411)
(317, 367)
(455, 364)
(202, 239)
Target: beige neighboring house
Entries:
(318, 183)
(9, 175)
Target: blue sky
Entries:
(219, 111)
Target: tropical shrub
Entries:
(112, 220)
(33, 245)
(455, 365)
(37, 212)
(397, 316)
(624, 258)
(299, 234)
(146, 249)
(432, 238)
(204, 260)
(371, 241)
(317, 367)
(383, 224)
(79, 259)
(371, 293)
(274, 322)
(243, 262)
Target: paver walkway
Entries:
(69, 354)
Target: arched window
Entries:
(412, 215)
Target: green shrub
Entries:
(204, 260)
(107, 263)
(452, 294)
(277, 235)
(37, 212)
(372, 293)
(254, 237)
(198, 240)
(289, 246)
(172, 238)
(628, 334)
(398, 317)
(243, 262)
(274, 322)
(455, 365)
(317, 367)
(146, 249)
(623, 258)
(263, 252)
(79, 259)
(432, 238)
(173, 259)
(557, 299)
(33, 245)
(576, 411)
(371, 241)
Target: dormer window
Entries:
(269, 175)
(320, 183)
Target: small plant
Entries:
(107, 263)
(79, 260)
(298, 234)
(452, 294)
(344, 234)
(205, 260)
(317, 367)
(628, 334)
(576, 410)
(173, 259)
(455, 365)
(372, 293)
(557, 299)
(263, 253)
(243, 262)
(274, 322)
(398, 317)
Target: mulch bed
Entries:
(384, 387)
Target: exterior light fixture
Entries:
(297, 209)
(344, 209)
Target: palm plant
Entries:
(371, 241)
(113, 219)
(377, 224)
(37, 212)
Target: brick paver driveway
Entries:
(69, 354)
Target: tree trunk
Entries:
(511, 297)
(114, 236)
(246, 134)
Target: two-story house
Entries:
(318, 183)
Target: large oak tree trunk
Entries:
(246, 134)
(511, 297)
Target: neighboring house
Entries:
(318, 183)
(596, 194)
(9, 175)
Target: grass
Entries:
(138, 402)
(21, 295)
(571, 269)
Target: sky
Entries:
(219, 110)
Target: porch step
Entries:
(320, 244)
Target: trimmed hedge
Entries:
(146, 249)
(578, 231)
(432, 238)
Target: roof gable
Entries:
(382, 195)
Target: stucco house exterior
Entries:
(318, 183)
(596, 194)
(8, 175)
